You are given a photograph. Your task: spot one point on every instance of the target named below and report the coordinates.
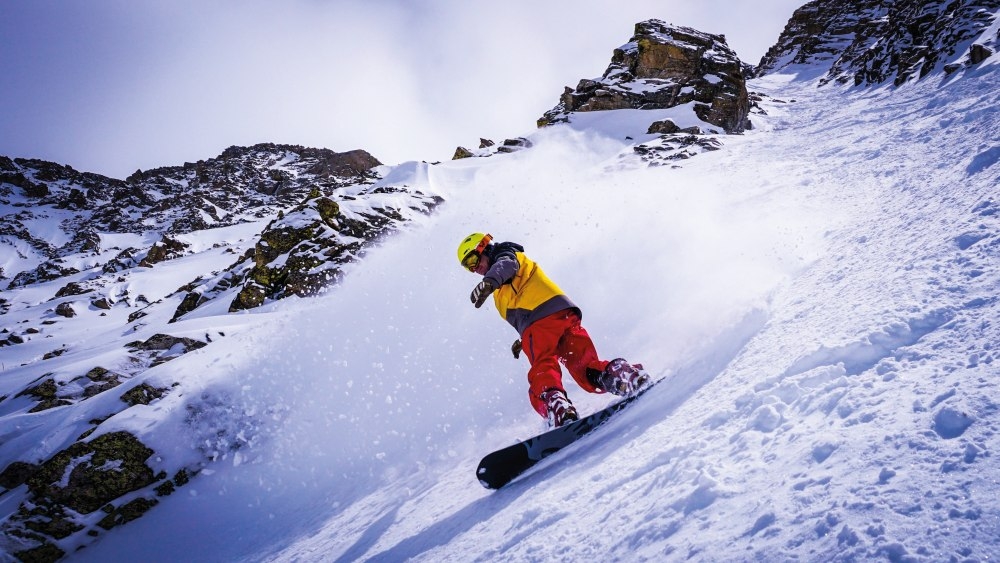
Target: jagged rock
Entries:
(979, 53)
(127, 512)
(328, 210)
(242, 183)
(65, 310)
(46, 394)
(302, 252)
(54, 354)
(485, 143)
(44, 553)
(664, 66)
(249, 297)
(47, 271)
(103, 380)
(462, 152)
(142, 394)
(188, 304)
(167, 249)
(30, 189)
(105, 468)
(664, 127)
(16, 474)
(102, 303)
(875, 41)
(513, 145)
(674, 147)
(159, 342)
(123, 261)
(73, 288)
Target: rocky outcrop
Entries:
(241, 184)
(167, 249)
(665, 66)
(869, 42)
(84, 479)
(303, 252)
(321, 199)
(488, 148)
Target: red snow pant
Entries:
(553, 339)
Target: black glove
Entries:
(516, 349)
(481, 292)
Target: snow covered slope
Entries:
(821, 293)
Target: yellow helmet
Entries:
(472, 245)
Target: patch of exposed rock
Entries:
(76, 489)
(304, 251)
(665, 66)
(869, 42)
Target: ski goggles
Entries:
(471, 260)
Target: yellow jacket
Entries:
(524, 293)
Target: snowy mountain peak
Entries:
(867, 42)
(665, 66)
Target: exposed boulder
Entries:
(16, 474)
(123, 261)
(167, 249)
(46, 393)
(65, 310)
(83, 478)
(665, 66)
(676, 146)
(869, 42)
(73, 288)
(514, 145)
(100, 380)
(88, 475)
(47, 271)
(461, 152)
(142, 394)
(979, 53)
(29, 188)
(165, 342)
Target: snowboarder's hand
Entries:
(481, 292)
(516, 349)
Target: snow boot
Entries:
(620, 377)
(561, 410)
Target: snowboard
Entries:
(504, 465)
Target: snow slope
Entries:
(820, 293)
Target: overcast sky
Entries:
(110, 86)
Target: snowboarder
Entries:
(549, 327)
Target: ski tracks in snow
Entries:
(848, 419)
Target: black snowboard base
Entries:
(504, 465)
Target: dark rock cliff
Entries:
(869, 42)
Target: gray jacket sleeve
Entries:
(502, 271)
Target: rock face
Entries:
(326, 206)
(868, 42)
(78, 481)
(303, 252)
(664, 66)
(241, 184)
